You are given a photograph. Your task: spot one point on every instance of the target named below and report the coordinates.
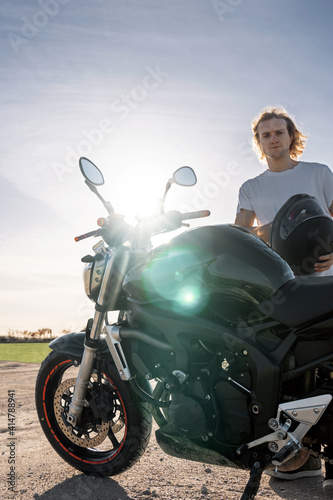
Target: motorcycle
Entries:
(216, 339)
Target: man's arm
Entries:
(246, 219)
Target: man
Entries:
(279, 144)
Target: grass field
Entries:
(24, 353)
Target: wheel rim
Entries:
(89, 437)
(93, 444)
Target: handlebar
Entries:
(97, 232)
(195, 215)
(172, 220)
(113, 230)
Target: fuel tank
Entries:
(221, 268)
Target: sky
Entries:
(141, 87)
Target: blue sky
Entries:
(141, 87)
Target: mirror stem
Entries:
(162, 201)
(107, 204)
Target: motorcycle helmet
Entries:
(301, 232)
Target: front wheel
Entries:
(114, 428)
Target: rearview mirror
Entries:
(184, 176)
(90, 172)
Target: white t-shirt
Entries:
(266, 193)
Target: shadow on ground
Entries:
(304, 488)
(85, 487)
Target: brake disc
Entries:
(92, 435)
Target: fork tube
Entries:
(82, 381)
(86, 368)
(96, 327)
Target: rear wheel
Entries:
(114, 428)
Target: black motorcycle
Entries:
(216, 339)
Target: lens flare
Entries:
(174, 277)
(189, 297)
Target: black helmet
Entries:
(301, 232)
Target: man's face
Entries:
(274, 138)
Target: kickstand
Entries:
(253, 483)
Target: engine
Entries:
(212, 400)
(187, 416)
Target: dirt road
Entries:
(38, 472)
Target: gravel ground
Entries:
(38, 472)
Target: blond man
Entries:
(279, 144)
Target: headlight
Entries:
(92, 278)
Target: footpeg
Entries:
(286, 443)
(286, 453)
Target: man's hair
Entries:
(297, 144)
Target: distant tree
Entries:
(41, 333)
(45, 332)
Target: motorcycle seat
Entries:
(300, 300)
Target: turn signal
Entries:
(101, 222)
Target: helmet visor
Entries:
(306, 208)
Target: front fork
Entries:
(86, 368)
(91, 344)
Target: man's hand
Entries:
(246, 219)
(326, 261)
(262, 231)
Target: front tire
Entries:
(114, 427)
